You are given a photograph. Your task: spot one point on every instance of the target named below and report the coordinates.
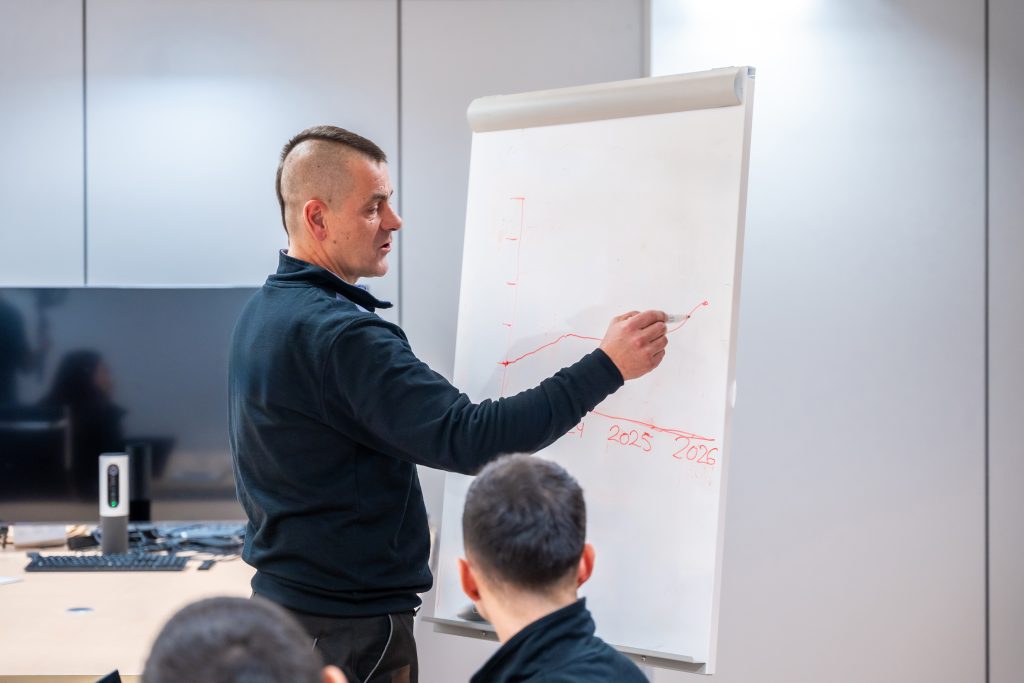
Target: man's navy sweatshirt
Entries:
(330, 412)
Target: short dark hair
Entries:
(327, 134)
(525, 522)
(231, 640)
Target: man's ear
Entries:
(314, 220)
(468, 581)
(332, 674)
(586, 566)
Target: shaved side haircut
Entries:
(331, 134)
(525, 523)
(233, 640)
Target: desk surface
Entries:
(41, 639)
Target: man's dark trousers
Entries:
(367, 649)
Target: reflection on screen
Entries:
(89, 371)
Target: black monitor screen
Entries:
(88, 371)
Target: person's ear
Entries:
(468, 581)
(332, 674)
(314, 219)
(586, 566)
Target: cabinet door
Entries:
(189, 105)
(41, 211)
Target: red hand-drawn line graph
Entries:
(518, 239)
(572, 335)
(568, 335)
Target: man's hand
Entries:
(636, 342)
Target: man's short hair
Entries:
(333, 134)
(231, 640)
(525, 522)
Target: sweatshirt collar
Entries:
(542, 645)
(293, 271)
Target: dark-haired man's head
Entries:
(235, 640)
(335, 197)
(524, 531)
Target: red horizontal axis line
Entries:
(679, 433)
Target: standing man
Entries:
(330, 411)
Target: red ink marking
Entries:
(507, 324)
(631, 438)
(689, 315)
(510, 284)
(506, 363)
(678, 433)
(568, 335)
(700, 454)
(515, 295)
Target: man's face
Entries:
(361, 224)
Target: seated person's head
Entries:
(524, 530)
(82, 378)
(235, 640)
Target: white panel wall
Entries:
(452, 52)
(189, 105)
(855, 532)
(855, 538)
(41, 238)
(1006, 348)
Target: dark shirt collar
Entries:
(546, 643)
(293, 271)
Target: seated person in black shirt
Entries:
(524, 527)
(235, 640)
(83, 386)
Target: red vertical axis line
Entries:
(515, 294)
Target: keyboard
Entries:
(105, 563)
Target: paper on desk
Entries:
(38, 535)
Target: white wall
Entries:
(855, 533)
(189, 104)
(855, 527)
(452, 52)
(512, 46)
(1006, 330)
(41, 194)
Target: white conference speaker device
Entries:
(114, 502)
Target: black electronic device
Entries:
(136, 371)
(113, 484)
(128, 562)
